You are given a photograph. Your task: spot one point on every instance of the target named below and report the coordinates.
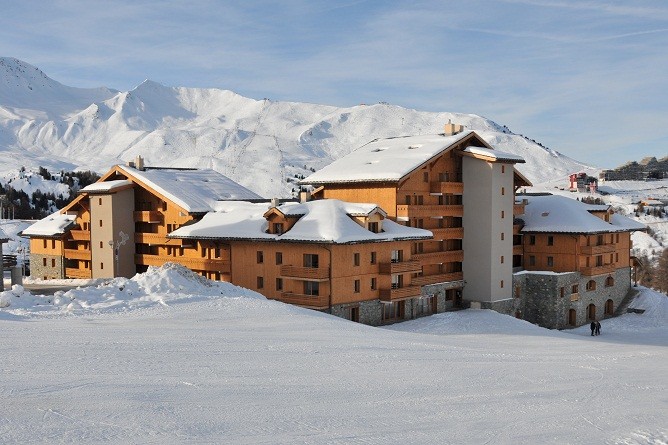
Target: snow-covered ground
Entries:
(168, 357)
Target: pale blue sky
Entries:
(586, 78)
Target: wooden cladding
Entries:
(425, 211)
(452, 188)
(305, 273)
(400, 267)
(440, 278)
(439, 257)
(149, 216)
(74, 254)
(401, 293)
(80, 235)
(155, 238)
(309, 301)
(598, 270)
(518, 209)
(203, 264)
(71, 272)
(598, 250)
(448, 233)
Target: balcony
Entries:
(80, 235)
(71, 272)
(518, 250)
(598, 270)
(400, 267)
(575, 297)
(401, 293)
(305, 273)
(154, 238)
(308, 301)
(450, 188)
(426, 211)
(148, 216)
(447, 256)
(434, 279)
(518, 208)
(191, 263)
(448, 233)
(74, 254)
(598, 250)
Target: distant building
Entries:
(647, 169)
(581, 182)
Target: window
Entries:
(574, 289)
(609, 282)
(44, 262)
(425, 177)
(216, 251)
(373, 284)
(617, 238)
(501, 259)
(397, 281)
(550, 240)
(609, 307)
(561, 292)
(419, 223)
(44, 244)
(503, 214)
(532, 260)
(99, 201)
(53, 262)
(311, 260)
(100, 223)
(357, 286)
(599, 260)
(503, 191)
(591, 312)
(279, 258)
(532, 240)
(503, 169)
(101, 266)
(311, 288)
(260, 257)
(501, 284)
(278, 228)
(279, 283)
(591, 285)
(53, 243)
(397, 256)
(550, 261)
(502, 236)
(374, 227)
(260, 282)
(373, 257)
(393, 311)
(356, 259)
(408, 199)
(101, 245)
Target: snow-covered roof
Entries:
(106, 186)
(385, 159)
(53, 225)
(493, 154)
(195, 191)
(326, 221)
(3, 236)
(559, 214)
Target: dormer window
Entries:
(278, 228)
(374, 227)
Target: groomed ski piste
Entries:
(169, 357)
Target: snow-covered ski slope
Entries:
(170, 358)
(259, 143)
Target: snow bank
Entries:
(165, 285)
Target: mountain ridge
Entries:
(265, 145)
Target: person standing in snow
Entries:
(593, 328)
(598, 328)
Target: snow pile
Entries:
(165, 285)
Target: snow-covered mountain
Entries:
(261, 144)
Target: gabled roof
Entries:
(492, 155)
(106, 186)
(321, 221)
(558, 214)
(55, 224)
(387, 160)
(3, 236)
(195, 191)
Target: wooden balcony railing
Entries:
(80, 235)
(448, 256)
(149, 216)
(425, 211)
(305, 273)
(72, 272)
(154, 238)
(598, 250)
(597, 270)
(309, 301)
(518, 250)
(433, 279)
(400, 267)
(451, 188)
(191, 263)
(448, 233)
(74, 254)
(518, 209)
(401, 293)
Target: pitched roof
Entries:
(196, 191)
(558, 214)
(385, 159)
(53, 225)
(324, 221)
(106, 186)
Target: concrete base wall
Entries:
(39, 270)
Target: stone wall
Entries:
(52, 270)
(370, 312)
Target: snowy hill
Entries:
(261, 144)
(168, 357)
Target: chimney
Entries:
(275, 202)
(139, 163)
(452, 129)
(304, 196)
